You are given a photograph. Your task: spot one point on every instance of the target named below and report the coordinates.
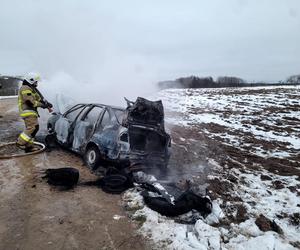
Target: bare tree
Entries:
(293, 79)
(230, 81)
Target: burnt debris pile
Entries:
(183, 204)
(154, 194)
(167, 198)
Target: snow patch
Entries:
(8, 97)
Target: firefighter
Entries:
(29, 99)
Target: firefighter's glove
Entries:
(44, 105)
(49, 105)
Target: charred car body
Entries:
(103, 134)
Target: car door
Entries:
(85, 127)
(106, 134)
(63, 125)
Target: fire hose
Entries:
(41, 146)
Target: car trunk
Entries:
(148, 148)
(147, 137)
(146, 140)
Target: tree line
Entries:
(221, 82)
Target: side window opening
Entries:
(83, 112)
(119, 115)
(93, 115)
(105, 119)
(124, 137)
(73, 113)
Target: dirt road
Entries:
(34, 215)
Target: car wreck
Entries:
(105, 135)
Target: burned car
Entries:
(134, 136)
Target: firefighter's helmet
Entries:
(32, 78)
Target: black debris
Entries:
(112, 183)
(183, 204)
(66, 177)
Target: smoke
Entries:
(101, 51)
(105, 87)
(77, 47)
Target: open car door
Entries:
(63, 126)
(85, 126)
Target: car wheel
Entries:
(92, 157)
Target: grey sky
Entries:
(151, 40)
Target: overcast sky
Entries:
(129, 41)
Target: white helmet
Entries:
(32, 78)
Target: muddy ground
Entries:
(34, 215)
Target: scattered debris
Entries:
(66, 177)
(185, 203)
(112, 183)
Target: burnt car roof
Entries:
(103, 105)
(98, 104)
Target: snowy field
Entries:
(254, 180)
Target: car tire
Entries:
(92, 157)
(50, 141)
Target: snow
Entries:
(167, 234)
(269, 241)
(8, 97)
(233, 110)
(189, 107)
(118, 217)
(215, 215)
(280, 201)
(248, 228)
(256, 190)
(207, 235)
